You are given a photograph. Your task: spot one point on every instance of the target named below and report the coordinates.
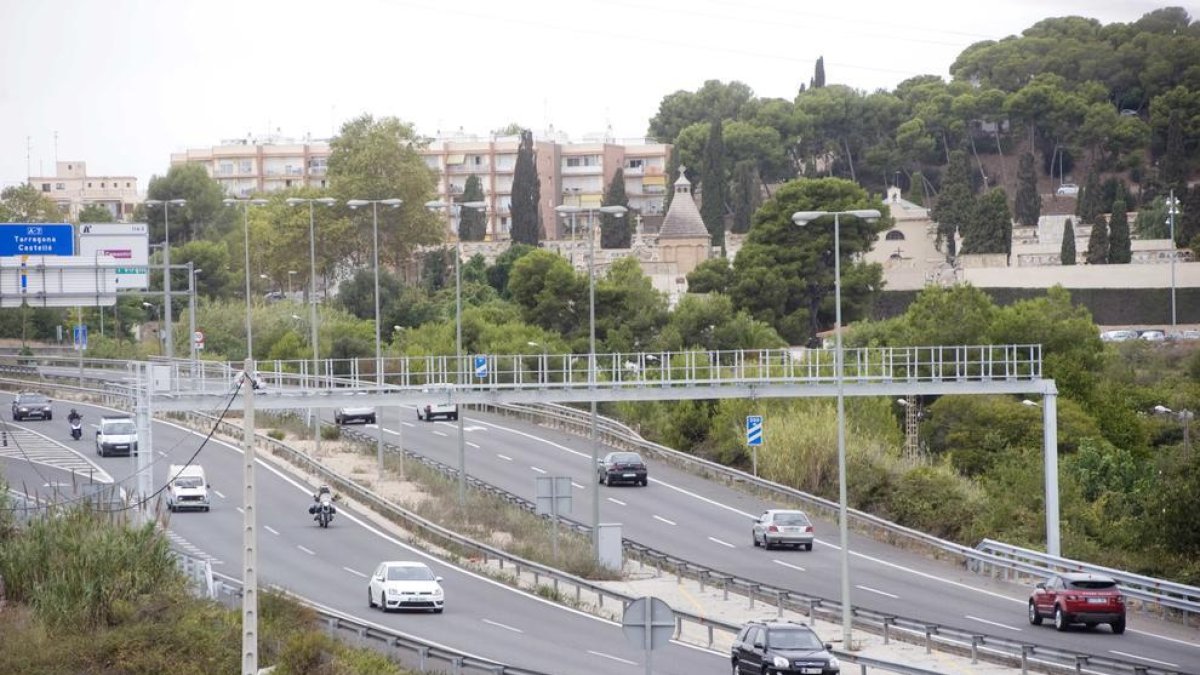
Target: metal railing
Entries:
(993, 558)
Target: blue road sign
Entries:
(81, 336)
(481, 370)
(754, 430)
(37, 239)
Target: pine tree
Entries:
(818, 78)
(1174, 161)
(746, 195)
(1028, 203)
(1119, 248)
(1067, 254)
(1090, 203)
(472, 223)
(713, 186)
(526, 219)
(1097, 251)
(616, 231)
(955, 205)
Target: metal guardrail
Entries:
(994, 558)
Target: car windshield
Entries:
(187, 482)
(409, 574)
(791, 519)
(1092, 584)
(793, 639)
(119, 429)
(33, 398)
(626, 458)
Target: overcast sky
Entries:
(126, 82)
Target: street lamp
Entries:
(803, 218)
(455, 208)
(617, 211)
(1172, 211)
(1184, 416)
(192, 273)
(246, 204)
(166, 204)
(395, 204)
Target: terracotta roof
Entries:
(683, 218)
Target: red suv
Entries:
(1088, 599)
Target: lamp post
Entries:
(453, 209)
(312, 282)
(1172, 211)
(617, 211)
(803, 218)
(395, 204)
(1184, 416)
(192, 272)
(166, 204)
(246, 204)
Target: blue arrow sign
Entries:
(481, 369)
(80, 336)
(754, 430)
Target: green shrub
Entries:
(331, 432)
(277, 434)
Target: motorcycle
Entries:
(322, 513)
(76, 429)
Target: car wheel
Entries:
(1060, 619)
(1118, 626)
(645, 482)
(371, 421)
(382, 602)
(767, 543)
(337, 419)
(735, 667)
(438, 610)
(454, 417)
(370, 599)
(1035, 619)
(754, 537)
(808, 547)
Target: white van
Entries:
(188, 488)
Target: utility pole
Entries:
(249, 533)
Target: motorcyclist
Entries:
(74, 416)
(322, 497)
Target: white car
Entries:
(431, 410)
(1067, 190)
(350, 414)
(403, 584)
(1153, 336)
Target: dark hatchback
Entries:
(621, 467)
(773, 646)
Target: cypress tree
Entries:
(526, 219)
(818, 78)
(672, 176)
(1119, 247)
(746, 195)
(1090, 205)
(712, 175)
(1174, 161)
(955, 205)
(472, 223)
(1067, 255)
(1028, 203)
(616, 232)
(1097, 251)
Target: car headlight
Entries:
(834, 663)
(393, 591)
(781, 662)
(438, 593)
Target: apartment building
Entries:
(72, 189)
(570, 173)
(248, 166)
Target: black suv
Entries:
(776, 646)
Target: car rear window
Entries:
(791, 519)
(788, 638)
(1092, 584)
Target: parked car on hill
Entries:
(1067, 190)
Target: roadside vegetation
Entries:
(87, 593)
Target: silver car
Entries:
(783, 527)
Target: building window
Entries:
(635, 163)
(45, 187)
(89, 184)
(246, 166)
(128, 184)
(102, 186)
(894, 235)
(60, 186)
(224, 169)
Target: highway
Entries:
(484, 618)
(708, 523)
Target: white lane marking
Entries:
(723, 543)
(239, 509)
(578, 486)
(537, 469)
(440, 433)
(272, 530)
(407, 424)
(504, 457)
(355, 572)
(472, 427)
(990, 623)
(500, 625)
(161, 453)
(370, 426)
(789, 565)
(1143, 658)
(886, 594)
(308, 551)
(473, 445)
(617, 501)
(669, 522)
(218, 493)
(614, 658)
